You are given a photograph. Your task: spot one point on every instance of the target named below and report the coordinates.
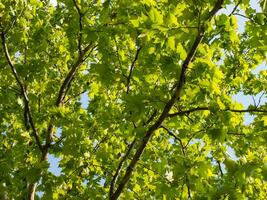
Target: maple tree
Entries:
(159, 75)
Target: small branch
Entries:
(131, 69)
(117, 52)
(13, 89)
(253, 98)
(192, 136)
(236, 6)
(183, 151)
(220, 168)
(246, 110)
(28, 114)
(260, 100)
(75, 96)
(184, 112)
(215, 9)
(116, 175)
(246, 18)
(100, 142)
(13, 23)
(236, 134)
(188, 187)
(61, 96)
(176, 137)
(59, 140)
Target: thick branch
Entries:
(80, 26)
(167, 107)
(67, 82)
(184, 112)
(131, 69)
(28, 113)
(62, 93)
(116, 175)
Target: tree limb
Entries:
(167, 107)
(28, 114)
(116, 175)
(244, 16)
(67, 82)
(80, 26)
(184, 112)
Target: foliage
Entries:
(159, 75)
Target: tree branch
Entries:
(167, 107)
(80, 26)
(236, 6)
(131, 69)
(244, 16)
(63, 91)
(28, 114)
(116, 175)
(220, 168)
(184, 112)
(183, 151)
(176, 137)
(67, 82)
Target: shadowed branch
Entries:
(185, 112)
(27, 111)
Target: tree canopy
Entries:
(159, 76)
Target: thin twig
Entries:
(176, 137)
(254, 101)
(107, 137)
(220, 168)
(183, 151)
(260, 100)
(236, 6)
(241, 15)
(117, 51)
(131, 69)
(75, 96)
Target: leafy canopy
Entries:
(159, 77)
